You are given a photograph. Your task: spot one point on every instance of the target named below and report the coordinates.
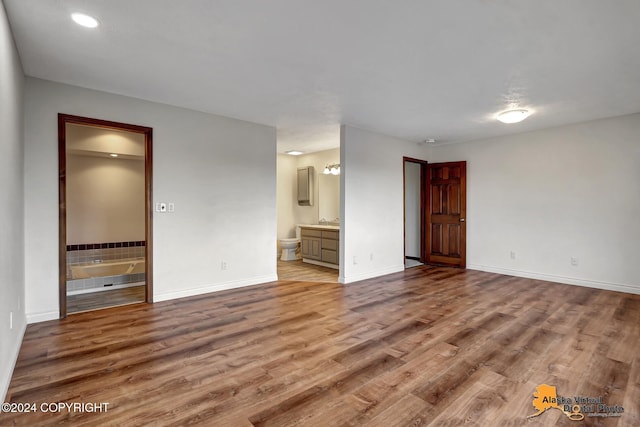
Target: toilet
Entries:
(289, 247)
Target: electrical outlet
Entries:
(171, 207)
(355, 260)
(223, 265)
(371, 256)
(513, 255)
(574, 261)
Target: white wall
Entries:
(94, 140)
(372, 202)
(219, 172)
(550, 195)
(105, 199)
(286, 192)
(11, 205)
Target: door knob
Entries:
(461, 219)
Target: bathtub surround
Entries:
(104, 283)
(12, 225)
(92, 252)
(206, 164)
(103, 254)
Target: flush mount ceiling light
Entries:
(113, 155)
(513, 116)
(84, 20)
(293, 152)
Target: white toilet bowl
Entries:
(289, 247)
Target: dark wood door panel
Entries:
(446, 242)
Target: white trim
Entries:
(42, 316)
(6, 376)
(618, 287)
(321, 263)
(371, 274)
(213, 288)
(105, 288)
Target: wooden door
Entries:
(446, 214)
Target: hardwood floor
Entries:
(427, 346)
(298, 270)
(104, 299)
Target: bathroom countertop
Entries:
(320, 227)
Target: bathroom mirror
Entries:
(305, 186)
(328, 197)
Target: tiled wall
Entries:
(103, 252)
(87, 253)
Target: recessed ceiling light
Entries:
(84, 20)
(513, 116)
(113, 155)
(294, 152)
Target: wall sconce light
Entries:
(332, 169)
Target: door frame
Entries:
(423, 207)
(63, 120)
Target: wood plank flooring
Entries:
(299, 270)
(427, 346)
(104, 299)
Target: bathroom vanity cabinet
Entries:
(320, 245)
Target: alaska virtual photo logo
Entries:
(576, 408)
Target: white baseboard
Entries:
(213, 288)
(42, 316)
(371, 274)
(618, 287)
(5, 376)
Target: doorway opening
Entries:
(308, 212)
(105, 214)
(414, 172)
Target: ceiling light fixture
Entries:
(513, 116)
(84, 20)
(293, 152)
(114, 155)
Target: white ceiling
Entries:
(414, 69)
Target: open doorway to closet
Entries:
(414, 171)
(105, 214)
